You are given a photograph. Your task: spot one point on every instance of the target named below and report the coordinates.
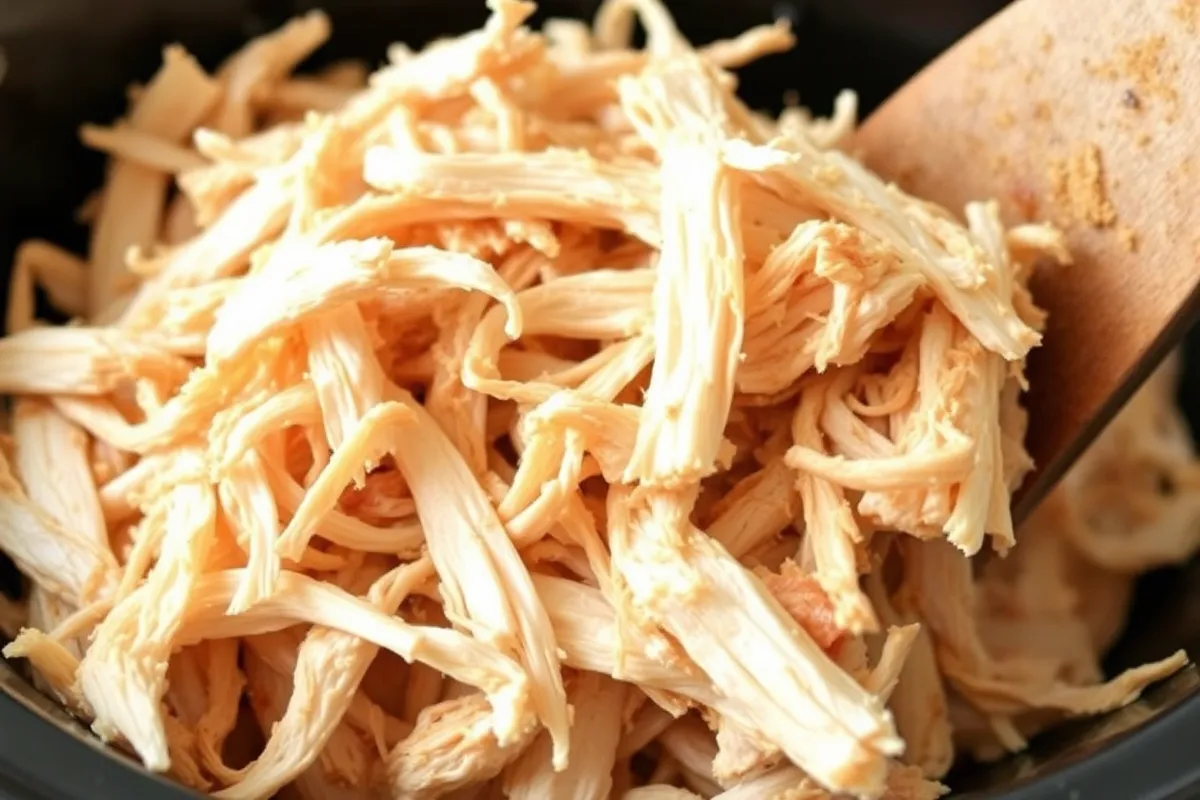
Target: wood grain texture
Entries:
(1085, 114)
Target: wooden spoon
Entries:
(1084, 114)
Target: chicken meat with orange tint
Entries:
(530, 417)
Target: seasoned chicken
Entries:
(531, 418)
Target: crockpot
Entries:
(64, 62)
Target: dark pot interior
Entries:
(68, 61)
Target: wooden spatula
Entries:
(1085, 113)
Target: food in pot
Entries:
(530, 417)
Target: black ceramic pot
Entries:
(68, 61)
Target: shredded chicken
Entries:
(531, 407)
(598, 711)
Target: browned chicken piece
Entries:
(804, 599)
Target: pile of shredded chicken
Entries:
(531, 418)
